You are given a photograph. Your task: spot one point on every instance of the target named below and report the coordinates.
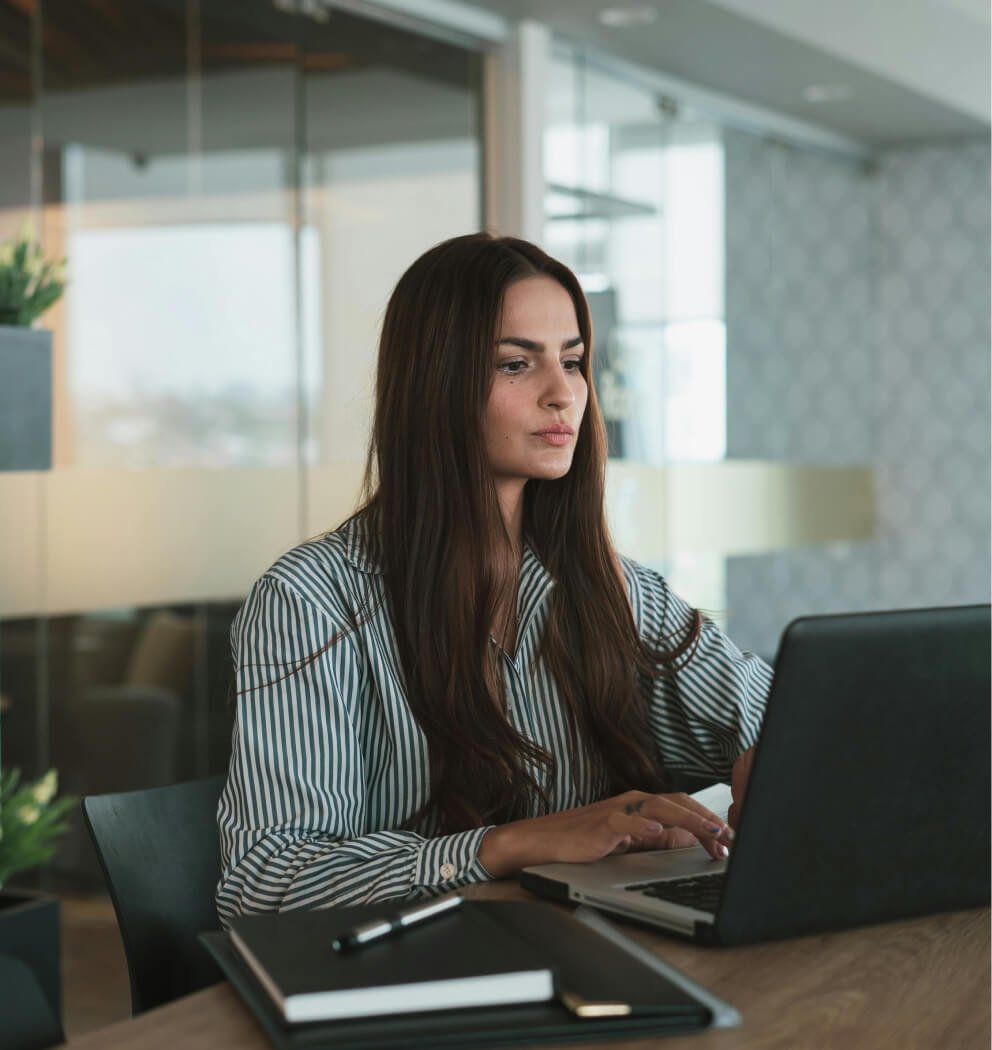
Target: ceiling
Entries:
(93, 44)
(892, 71)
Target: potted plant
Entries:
(28, 287)
(31, 820)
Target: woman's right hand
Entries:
(633, 820)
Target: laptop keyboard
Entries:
(700, 891)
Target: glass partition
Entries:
(635, 205)
(236, 187)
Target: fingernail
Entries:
(724, 852)
(654, 827)
(729, 833)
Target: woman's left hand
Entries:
(667, 838)
(677, 838)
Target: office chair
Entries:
(28, 1021)
(160, 856)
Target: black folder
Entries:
(592, 963)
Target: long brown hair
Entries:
(433, 523)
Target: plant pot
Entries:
(25, 398)
(29, 931)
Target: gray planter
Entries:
(29, 931)
(25, 398)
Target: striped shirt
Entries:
(328, 763)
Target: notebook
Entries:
(868, 798)
(606, 986)
(456, 960)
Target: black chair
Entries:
(27, 1021)
(160, 855)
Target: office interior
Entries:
(779, 212)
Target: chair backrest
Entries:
(160, 855)
(27, 1021)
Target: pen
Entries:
(388, 925)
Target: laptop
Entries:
(868, 799)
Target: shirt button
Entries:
(447, 871)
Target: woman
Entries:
(465, 678)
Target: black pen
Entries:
(388, 925)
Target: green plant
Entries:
(31, 819)
(28, 285)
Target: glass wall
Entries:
(635, 205)
(236, 187)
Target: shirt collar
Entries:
(535, 580)
(356, 547)
(532, 590)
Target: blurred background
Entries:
(779, 210)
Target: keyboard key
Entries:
(701, 891)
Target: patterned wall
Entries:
(934, 375)
(858, 331)
(798, 300)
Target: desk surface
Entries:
(920, 983)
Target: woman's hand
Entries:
(634, 820)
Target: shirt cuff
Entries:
(451, 861)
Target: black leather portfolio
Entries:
(607, 986)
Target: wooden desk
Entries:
(922, 983)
